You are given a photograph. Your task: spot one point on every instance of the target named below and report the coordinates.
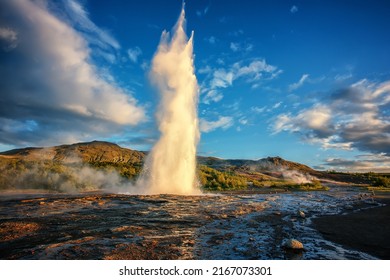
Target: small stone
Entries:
(370, 201)
(293, 244)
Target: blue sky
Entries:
(305, 80)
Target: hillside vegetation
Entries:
(103, 165)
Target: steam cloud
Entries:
(171, 164)
(296, 176)
(68, 175)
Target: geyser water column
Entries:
(171, 165)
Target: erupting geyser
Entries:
(171, 165)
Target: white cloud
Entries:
(361, 163)
(331, 142)
(212, 96)
(294, 9)
(239, 47)
(144, 65)
(243, 121)
(280, 122)
(212, 40)
(248, 47)
(256, 71)
(259, 110)
(234, 46)
(298, 84)
(60, 89)
(205, 70)
(9, 37)
(277, 105)
(80, 18)
(222, 79)
(315, 119)
(134, 53)
(283, 122)
(222, 122)
(353, 118)
(220, 61)
(343, 77)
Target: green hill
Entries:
(97, 165)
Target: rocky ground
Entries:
(229, 226)
(366, 230)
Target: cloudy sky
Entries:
(305, 80)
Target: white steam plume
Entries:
(171, 164)
(296, 176)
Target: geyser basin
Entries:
(171, 164)
(112, 226)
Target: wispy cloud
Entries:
(361, 163)
(298, 84)
(258, 110)
(212, 40)
(343, 77)
(205, 70)
(277, 105)
(223, 122)
(344, 74)
(134, 53)
(294, 9)
(202, 13)
(8, 38)
(355, 117)
(79, 19)
(222, 78)
(223, 19)
(60, 91)
(236, 33)
(255, 71)
(212, 96)
(239, 47)
(234, 46)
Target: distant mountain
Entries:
(267, 165)
(100, 151)
(95, 151)
(33, 162)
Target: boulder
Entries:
(301, 214)
(293, 244)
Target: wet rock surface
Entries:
(293, 244)
(118, 226)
